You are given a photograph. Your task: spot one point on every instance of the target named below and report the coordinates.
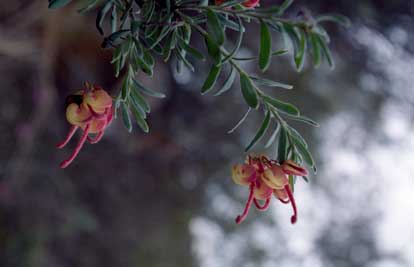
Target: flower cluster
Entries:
(91, 110)
(266, 178)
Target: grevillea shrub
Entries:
(136, 31)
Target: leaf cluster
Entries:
(140, 31)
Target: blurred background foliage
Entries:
(166, 198)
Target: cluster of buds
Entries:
(91, 110)
(248, 3)
(266, 178)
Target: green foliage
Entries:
(140, 31)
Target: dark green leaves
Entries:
(265, 47)
(87, 6)
(270, 83)
(282, 106)
(125, 117)
(304, 152)
(300, 53)
(213, 49)
(101, 16)
(260, 132)
(228, 83)
(58, 3)
(192, 51)
(211, 79)
(249, 91)
(316, 49)
(325, 51)
(146, 90)
(340, 19)
(214, 27)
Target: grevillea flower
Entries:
(91, 110)
(266, 178)
(248, 3)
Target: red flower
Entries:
(266, 177)
(248, 3)
(91, 110)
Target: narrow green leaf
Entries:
(135, 94)
(270, 83)
(316, 50)
(240, 121)
(262, 130)
(338, 18)
(279, 52)
(182, 59)
(87, 6)
(148, 58)
(276, 53)
(273, 136)
(326, 52)
(117, 105)
(211, 79)
(125, 117)
(282, 145)
(285, 5)
(249, 91)
(282, 106)
(306, 155)
(228, 83)
(194, 52)
(238, 42)
(213, 49)
(265, 47)
(305, 120)
(112, 39)
(101, 16)
(148, 10)
(214, 27)
(228, 23)
(164, 32)
(147, 91)
(140, 119)
(231, 3)
(298, 136)
(135, 105)
(53, 4)
(301, 52)
(114, 19)
(168, 6)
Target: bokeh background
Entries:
(166, 198)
